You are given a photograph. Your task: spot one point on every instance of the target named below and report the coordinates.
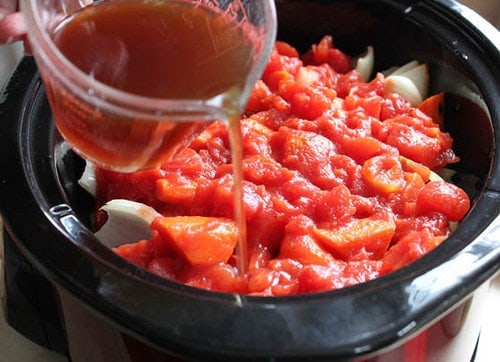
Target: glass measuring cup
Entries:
(130, 82)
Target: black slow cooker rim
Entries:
(83, 278)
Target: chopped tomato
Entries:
(445, 198)
(325, 52)
(335, 185)
(139, 253)
(299, 244)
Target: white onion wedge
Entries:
(404, 68)
(389, 71)
(443, 174)
(364, 63)
(404, 87)
(87, 181)
(127, 222)
(411, 81)
(419, 75)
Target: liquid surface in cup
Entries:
(168, 50)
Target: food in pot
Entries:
(339, 183)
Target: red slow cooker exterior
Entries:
(48, 218)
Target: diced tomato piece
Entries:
(362, 148)
(349, 172)
(305, 250)
(273, 118)
(283, 48)
(373, 91)
(435, 224)
(279, 63)
(415, 145)
(300, 195)
(325, 52)
(298, 244)
(265, 281)
(260, 257)
(407, 200)
(215, 130)
(318, 278)
(164, 267)
(221, 196)
(186, 162)
(334, 205)
(362, 271)
(139, 253)
(307, 102)
(275, 80)
(261, 280)
(413, 246)
(219, 277)
(290, 266)
(258, 98)
(265, 171)
(443, 197)
(348, 81)
(394, 105)
(137, 186)
(173, 188)
(309, 153)
(371, 106)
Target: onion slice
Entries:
(364, 63)
(127, 222)
(88, 181)
(410, 80)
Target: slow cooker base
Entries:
(30, 303)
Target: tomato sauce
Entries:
(336, 186)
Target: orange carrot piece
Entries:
(433, 106)
(305, 250)
(201, 240)
(413, 166)
(383, 173)
(370, 236)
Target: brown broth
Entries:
(167, 50)
(172, 50)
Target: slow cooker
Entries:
(68, 292)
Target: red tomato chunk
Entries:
(336, 186)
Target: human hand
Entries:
(12, 26)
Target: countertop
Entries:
(14, 347)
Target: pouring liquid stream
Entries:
(239, 206)
(160, 50)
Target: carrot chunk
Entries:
(369, 236)
(201, 240)
(434, 107)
